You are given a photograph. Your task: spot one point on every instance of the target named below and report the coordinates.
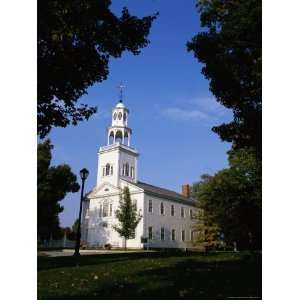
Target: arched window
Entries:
(126, 169)
(107, 169)
(110, 210)
(111, 137)
(105, 209)
(119, 137)
(111, 170)
(126, 138)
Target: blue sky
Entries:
(171, 108)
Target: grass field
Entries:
(150, 276)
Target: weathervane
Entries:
(121, 87)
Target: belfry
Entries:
(118, 131)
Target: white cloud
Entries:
(198, 109)
(209, 105)
(176, 113)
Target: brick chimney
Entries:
(186, 190)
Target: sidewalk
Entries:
(70, 252)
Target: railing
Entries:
(107, 147)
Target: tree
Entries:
(71, 232)
(76, 39)
(75, 226)
(206, 230)
(68, 232)
(127, 216)
(230, 49)
(53, 183)
(232, 199)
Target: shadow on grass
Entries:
(206, 280)
(189, 278)
(47, 263)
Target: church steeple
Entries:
(118, 160)
(119, 132)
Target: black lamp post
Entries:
(84, 173)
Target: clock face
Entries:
(124, 117)
(115, 116)
(120, 115)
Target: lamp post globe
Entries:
(84, 173)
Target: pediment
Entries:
(104, 189)
(107, 189)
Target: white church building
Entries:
(167, 216)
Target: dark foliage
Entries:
(75, 226)
(230, 49)
(70, 234)
(76, 39)
(232, 199)
(53, 183)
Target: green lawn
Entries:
(150, 276)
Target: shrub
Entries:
(107, 246)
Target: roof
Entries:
(161, 192)
(120, 105)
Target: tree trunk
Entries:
(125, 244)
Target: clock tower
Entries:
(117, 159)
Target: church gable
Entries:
(105, 189)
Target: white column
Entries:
(129, 139)
(136, 170)
(123, 136)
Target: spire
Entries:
(121, 88)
